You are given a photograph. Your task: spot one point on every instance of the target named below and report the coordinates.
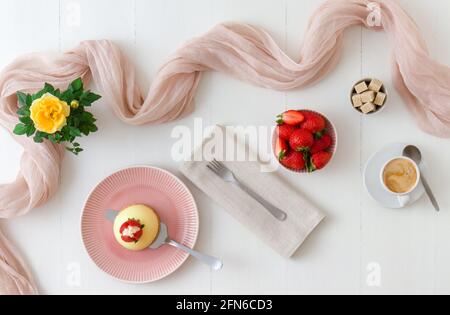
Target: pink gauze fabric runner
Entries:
(243, 51)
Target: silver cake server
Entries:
(164, 239)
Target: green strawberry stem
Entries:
(309, 165)
(280, 120)
(320, 134)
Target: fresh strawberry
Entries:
(301, 140)
(294, 161)
(291, 117)
(314, 123)
(281, 148)
(320, 160)
(285, 131)
(131, 231)
(322, 144)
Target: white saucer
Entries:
(372, 181)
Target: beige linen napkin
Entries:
(284, 237)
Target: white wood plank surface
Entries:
(410, 246)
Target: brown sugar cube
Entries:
(375, 85)
(368, 108)
(357, 101)
(361, 87)
(380, 99)
(368, 97)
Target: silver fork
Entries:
(228, 176)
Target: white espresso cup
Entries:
(404, 198)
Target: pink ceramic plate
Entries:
(156, 188)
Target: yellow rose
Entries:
(49, 113)
(75, 104)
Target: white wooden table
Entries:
(408, 249)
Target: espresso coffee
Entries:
(400, 176)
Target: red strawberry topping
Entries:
(131, 231)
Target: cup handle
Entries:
(404, 200)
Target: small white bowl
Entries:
(331, 129)
(379, 108)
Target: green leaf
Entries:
(23, 111)
(29, 100)
(77, 94)
(22, 98)
(85, 130)
(52, 138)
(65, 134)
(87, 98)
(75, 121)
(48, 88)
(38, 95)
(74, 132)
(75, 151)
(88, 117)
(39, 137)
(26, 120)
(92, 97)
(20, 130)
(67, 96)
(84, 95)
(76, 85)
(93, 128)
(30, 130)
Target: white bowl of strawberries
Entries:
(304, 141)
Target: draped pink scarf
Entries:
(246, 52)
